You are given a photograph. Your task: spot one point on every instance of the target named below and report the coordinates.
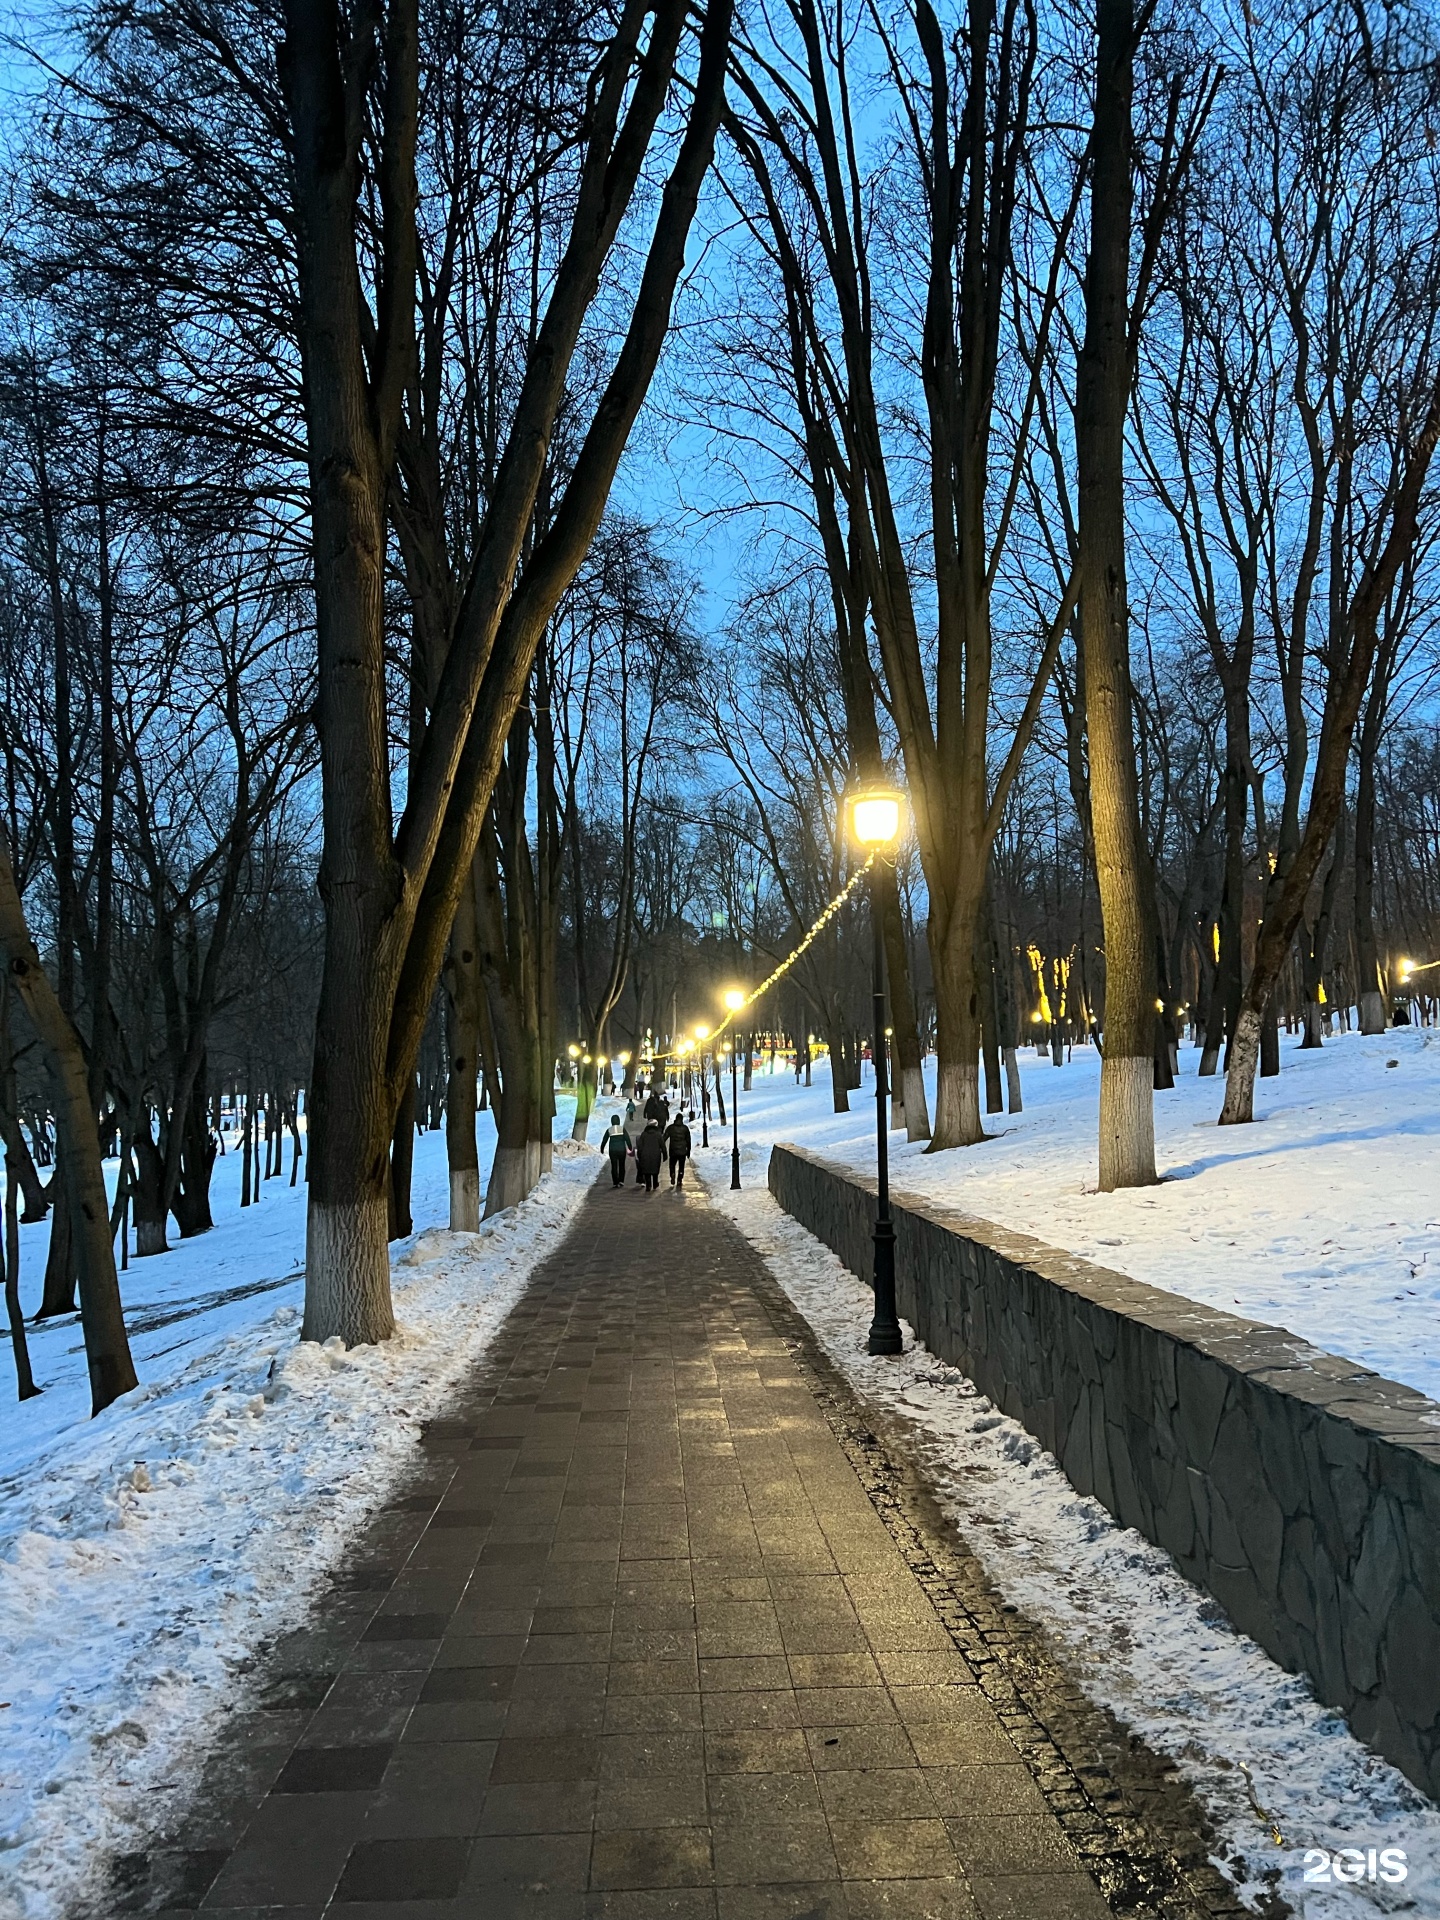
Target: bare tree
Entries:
(390, 901)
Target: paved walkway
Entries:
(640, 1649)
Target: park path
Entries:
(639, 1646)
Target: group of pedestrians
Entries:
(653, 1138)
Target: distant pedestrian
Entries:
(677, 1145)
(649, 1155)
(617, 1146)
(657, 1108)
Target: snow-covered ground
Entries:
(1258, 1750)
(1322, 1217)
(145, 1555)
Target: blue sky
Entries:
(33, 24)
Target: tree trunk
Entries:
(465, 988)
(1374, 1000)
(990, 1061)
(1163, 1024)
(247, 1150)
(1014, 1095)
(1127, 1125)
(839, 1068)
(516, 1168)
(503, 960)
(402, 1165)
(350, 430)
(23, 1169)
(1208, 1016)
(987, 995)
(1006, 1016)
(26, 1388)
(1269, 1043)
(586, 1080)
(906, 1054)
(148, 1193)
(62, 1267)
(957, 1028)
(191, 1203)
(107, 1348)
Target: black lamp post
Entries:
(735, 1116)
(875, 821)
(734, 1001)
(885, 1335)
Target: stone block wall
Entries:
(1300, 1489)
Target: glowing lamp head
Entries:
(573, 1051)
(624, 1059)
(702, 1033)
(1407, 967)
(584, 1059)
(877, 817)
(734, 1000)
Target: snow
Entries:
(1258, 1750)
(1322, 1217)
(147, 1555)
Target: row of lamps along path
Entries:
(875, 819)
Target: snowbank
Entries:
(145, 1555)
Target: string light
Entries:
(748, 1000)
(733, 1013)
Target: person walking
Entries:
(617, 1146)
(649, 1153)
(657, 1108)
(677, 1145)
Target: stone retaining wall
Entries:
(1300, 1489)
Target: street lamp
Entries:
(876, 819)
(734, 1001)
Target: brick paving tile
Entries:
(639, 1644)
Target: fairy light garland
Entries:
(785, 965)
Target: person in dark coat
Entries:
(677, 1145)
(657, 1107)
(617, 1146)
(649, 1153)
